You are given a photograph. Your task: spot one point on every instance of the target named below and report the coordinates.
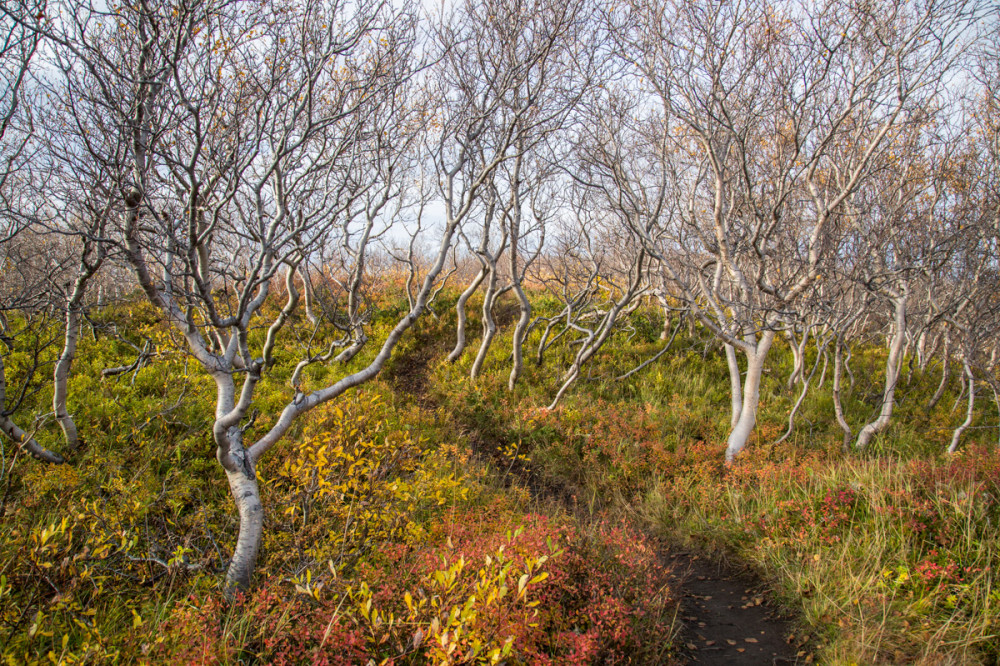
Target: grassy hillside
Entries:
(886, 556)
(385, 537)
(425, 518)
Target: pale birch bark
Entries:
(970, 409)
(517, 277)
(493, 291)
(309, 294)
(462, 317)
(520, 329)
(838, 408)
(741, 432)
(489, 323)
(893, 365)
(735, 385)
(797, 347)
(945, 371)
(63, 367)
(246, 494)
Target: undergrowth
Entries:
(883, 556)
(386, 540)
(425, 518)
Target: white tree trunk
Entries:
(456, 353)
(60, 378)
(514, 217)
(246, 494)
(735, 385)
(892, 366)
(741, 432)
(519, 333)
(798, 358)
(960, 430)
(921, 350)
(360, 339)
(945, 369)
(838, 408)
(310, 295)
(489, 324)
(60, 375)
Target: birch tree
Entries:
(27, 266)
(772, 115)
(535, 111)
(230, 133)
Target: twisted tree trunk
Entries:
(456, 353)
(246, 494)
(60, 375)
(945, 370)
(838, 408)
(893, 365)
(960, 430)
(740, 434)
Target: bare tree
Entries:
(613, 291)
(231, 136)
(245, 142)
(26, 329)
(28, 262)
(79, 214)
(770, 118)
(489, 259)
(548, 88)
(569, 273)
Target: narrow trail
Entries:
(725, 616)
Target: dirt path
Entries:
(726, 616)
